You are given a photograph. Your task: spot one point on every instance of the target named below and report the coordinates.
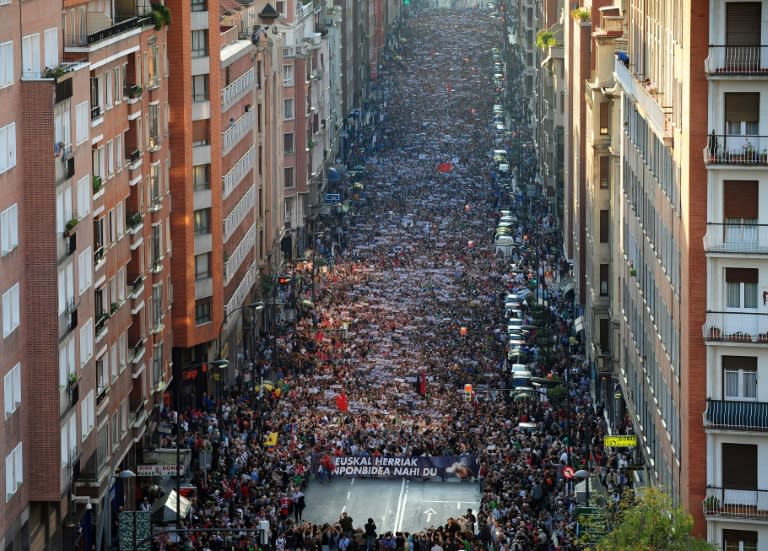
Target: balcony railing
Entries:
(726, 502)
(737, 60)
(237, 130)
(728, 149)
(736, 327)
(237, 89)
(736, 415)
(736, 237)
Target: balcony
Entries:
(101, 326)
(237, 130)
(137, 352)
(136, 290)
(648, 102)
(736, 327)
(739, 504)
(100, 26)
(736, 238)
(65, 164)
(724, 149)
(68, 320)
(737, 60)
(237, 89)
(736, 415)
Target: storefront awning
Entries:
(164, 509)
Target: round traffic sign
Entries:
(568, 472)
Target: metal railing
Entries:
(736, 503)
(737, 60)
(736, 415)
(741, 327)
(237, 130)
(736, 149)
(237, 89)
(741, 237)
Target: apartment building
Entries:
(637, 126)
(83, 298)
(735, 157)
(227, 224)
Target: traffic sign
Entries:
(333, 197)
(568, 472)
(620, 441)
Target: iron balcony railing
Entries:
(737, 60)
(736, 503)
(736, 415)
(730, 149)
(736, 237)
(738, 327)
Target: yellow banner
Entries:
(620, 441)
(271, 440)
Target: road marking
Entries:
(343, 509)
(348, 494)
(447, 501)
(352, 483)
(429, 512)
(399, 505)
(399, 524)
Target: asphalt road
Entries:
(396, 505)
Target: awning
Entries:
(567, 288)
(164, 509)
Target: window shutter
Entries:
(740, 199)
(743, 363)
(742, 23)
(740, 466)
(741, 275)
(742, 107)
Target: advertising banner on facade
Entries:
(425, 467)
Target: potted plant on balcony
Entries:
(97, 184)
(711, 505)
(545, 38)
(160, 15)
(714, 333)
(114, 307)
(70, 225)
(72, 380)
(581, 14)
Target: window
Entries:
(742, 113)
(739, 377)
(741, 287)
(199, 5)
(287, 75)
(109, 88)
(120, 222)
(155, 186)
(200, 88)
(605, 172)
(114, 429)
(280, 7)
(288, 173)
(12, 390)
(119, 152)
(67, 366)
(203, 311)
(202, 221)
(97, 90)
(288, 145)
(87, 414)
(119, 81)
(200, 132)
(66, 287)
(51, 39)
(7, 147)
(203, 266)
(86, 342)
(739, 540)
(84, 189)
(9, 229)
(157, 305)
(157, 364)
(154, 125)
(63, 207)
(30, 56)
(14, 471)
(82, 123)
(739, 466)
(11, 310)
(604, 278)
(110, 152)
(156, 245)
(113, 362)
(124, 417)
(201, 177)
(199, 43)
(85, 270)
(6, 64)
(288, 109)
(69, 440)
(605, 225)
(151, 64)
(605, 117)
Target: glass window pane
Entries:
(731, 384)
(733, 295)
(750, 295)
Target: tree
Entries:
(653, 524)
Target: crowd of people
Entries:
(414, 263)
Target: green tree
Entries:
(653, 524)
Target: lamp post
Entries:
(124, 475)
(583, 474)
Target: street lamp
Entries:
(124, 475)
(583, 475)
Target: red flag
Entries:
(445, 167)
(423, 382)
(342, 403)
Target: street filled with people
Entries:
(399, 344)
